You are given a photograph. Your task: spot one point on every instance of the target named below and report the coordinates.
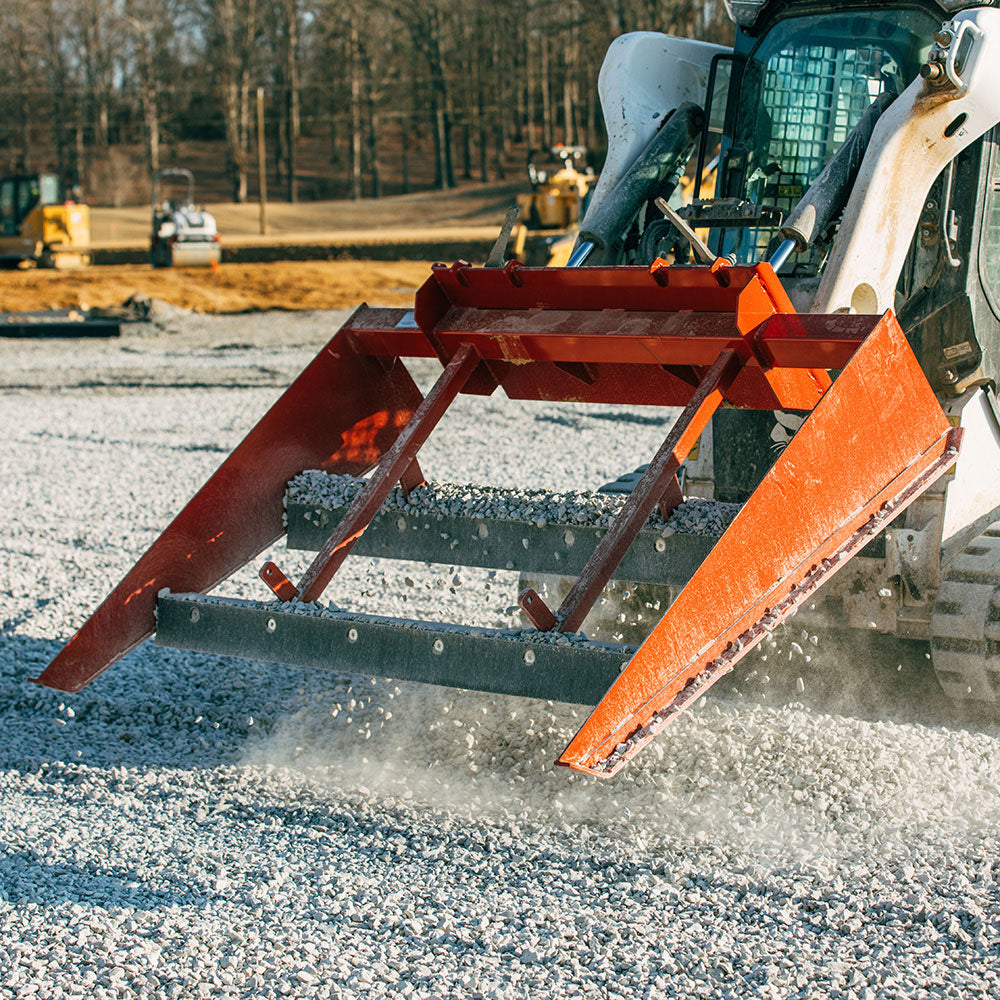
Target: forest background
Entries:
(361, 98)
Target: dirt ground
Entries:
(228, 289)
(471, 213)
(476, 205)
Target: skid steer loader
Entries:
(850, 284)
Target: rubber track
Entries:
(965, 622)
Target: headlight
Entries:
(744, 12)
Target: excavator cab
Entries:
(19, 195)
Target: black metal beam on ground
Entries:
(56, 323)
(502, 544)
(433, 653)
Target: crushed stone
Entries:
(696, 516)
(194, 826)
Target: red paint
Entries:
(340, 415)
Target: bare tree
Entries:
(389, 84)
(16, 20)
(57, 74)
(233, 27)
(149, 25)
(98, 34)
(424, 21)
(284, 25)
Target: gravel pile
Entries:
(529, 506)
(698, 516)
(189, 826)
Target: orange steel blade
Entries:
(341, 414)
(876, 440)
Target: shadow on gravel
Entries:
(28, 880)
(124, 443)
(155, 707)
(616, 418)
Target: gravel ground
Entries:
(191, 826)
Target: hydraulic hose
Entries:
(656, 170)
(828, 194)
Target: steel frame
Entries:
(695, 337)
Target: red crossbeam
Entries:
(619, 335)
(626, 338)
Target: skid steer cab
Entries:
(846, 285)
(39, 226)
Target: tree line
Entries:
(457, 85)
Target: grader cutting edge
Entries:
(672, 336)
(860, 161)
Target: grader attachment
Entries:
(691, 337)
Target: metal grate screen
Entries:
(813, 97)
(804, 87)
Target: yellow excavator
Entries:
(39, 226)
(560, 185)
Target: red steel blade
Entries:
(876, 440)
(339, 415)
